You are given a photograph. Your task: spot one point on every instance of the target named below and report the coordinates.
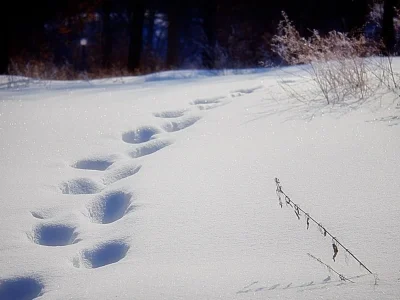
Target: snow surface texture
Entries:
(162, 187)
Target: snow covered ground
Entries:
(162, 187)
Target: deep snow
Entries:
(162, 187)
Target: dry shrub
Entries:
(117, 71)
(295, 49)
(151, 62)
(41, 70)
(22, 73)
(339, 65)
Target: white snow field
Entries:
(162, 187)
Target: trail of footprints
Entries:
(106, 205)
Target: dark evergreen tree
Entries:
(136, 20)
(107, 34)
(388, 31)
(210, 31)
(175, 11)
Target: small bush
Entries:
(22, 73)
(339, 65)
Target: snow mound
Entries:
(117, 173)
(150, 147)
(79, 186)
(109, 207)
(181, 123)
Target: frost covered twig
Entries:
(282, 196)
(337, 62)
(341, 276)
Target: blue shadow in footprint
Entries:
(23, 288)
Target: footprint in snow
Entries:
(144, 138)
(53, 234)
(94, 163)
(22, 288)
(170, 114)
(114, 173)
(110, 207)
(140, 135)
(180, 123)
(101, 255)
(242, 92)
(208, 103)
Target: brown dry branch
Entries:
(341, 276)
(282, 196)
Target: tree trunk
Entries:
(388, 32)
(136, 21)
(358, 18)
(106, 35)
(150, 36)
(210, 33)
(4, 51)
(174, 18)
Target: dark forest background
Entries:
(131, 37)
